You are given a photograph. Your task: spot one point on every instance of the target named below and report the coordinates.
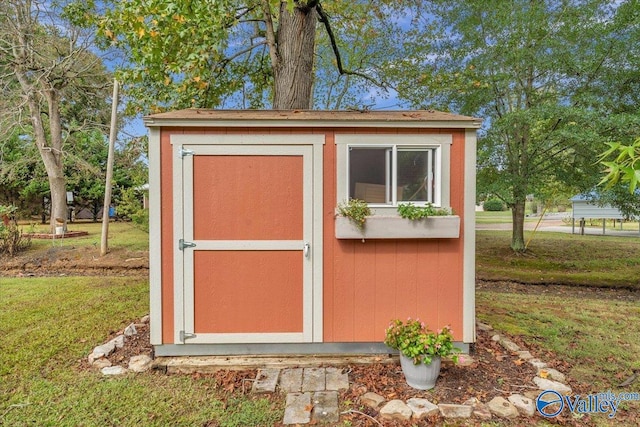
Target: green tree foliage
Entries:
(245, 54)
(23, 181)
(622, 177)
(624, 165)
(550, 78)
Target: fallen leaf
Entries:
(543, 374)
(518, 362)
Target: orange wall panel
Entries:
(248, 197)
(248, 291)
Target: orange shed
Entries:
(248, 256)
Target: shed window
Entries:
(385, 170)
(392, 174)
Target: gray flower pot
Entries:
(420, 376)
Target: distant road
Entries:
(553, 224)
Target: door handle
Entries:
(307, 250)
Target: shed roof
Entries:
(582, 197)
(315, 118)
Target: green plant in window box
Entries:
(413, 212)
(356, 210)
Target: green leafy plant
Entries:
(6, 211)
(356, 210)
(413, 339)
(130, 207)
(413, 212)
(12, 239)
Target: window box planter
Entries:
(395, 227)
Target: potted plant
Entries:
(420, 350)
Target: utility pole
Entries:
(104, 245)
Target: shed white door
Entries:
(244, 271)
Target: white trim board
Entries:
(469, 249)
(269, 139)
(155, 238)
(441, 141)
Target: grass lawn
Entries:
(581, 329)
(49, 324)
(486, 217)
(598, 338)
(121, 235)
(560, 258)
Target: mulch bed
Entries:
(495, 372)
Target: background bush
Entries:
(493, 205)
(12, 240)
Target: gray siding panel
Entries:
(583, 209)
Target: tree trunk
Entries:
(95, 209)
(293, 70)
(517, 234)
(58, 187)
(51, 154)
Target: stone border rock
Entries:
(513, 406)
(98, 357)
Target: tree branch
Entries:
(325, 20)
(225, 61)
(545, 159)
(271, 34)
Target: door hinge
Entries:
(186, 336)
(182, 245)
(185, 152)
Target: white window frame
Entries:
(441, 143)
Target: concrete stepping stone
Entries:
(113, 370)
(313, 379)
(421, 408)
(525, 355)
(545, 384)
(523, 404)
(451, 410)
(291, 380)
(537, 363)
(336, 379)
(297, 409)
(325, 407)
(501, 407)
(396, 410)
(552, 374)
(266, 380)
(372, 400)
